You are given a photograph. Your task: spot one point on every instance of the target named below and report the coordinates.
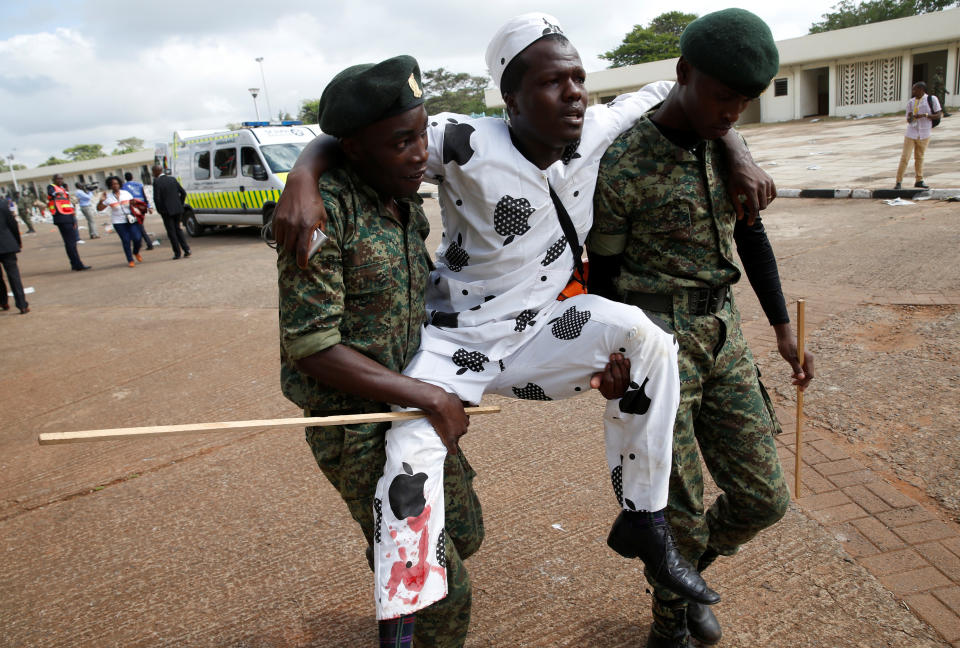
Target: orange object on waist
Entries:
(577, 284)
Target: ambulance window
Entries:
(249, 159)
(201, 165)
(281, 157)
(225, 163)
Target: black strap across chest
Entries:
(569, 231)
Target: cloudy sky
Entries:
(95, 71)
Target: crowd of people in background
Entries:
(126, 203)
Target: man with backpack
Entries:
(923, 114)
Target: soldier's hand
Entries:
(787, 346)
(298, 213)
(448, 418)
(751, 190)
(614, 379)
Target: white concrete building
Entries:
(854, 71)
(87, 171)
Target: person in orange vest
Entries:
(64, 217)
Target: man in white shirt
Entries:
(922, 109)
(85, 202)
(494, 322)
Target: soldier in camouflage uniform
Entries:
(939, 90)
(663, 239)
(351, 321)
(25, 209)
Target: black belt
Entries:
(700, 301)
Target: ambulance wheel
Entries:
(190, 224)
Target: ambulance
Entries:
(234, 177)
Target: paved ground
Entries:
(851, 153)
(237, 540)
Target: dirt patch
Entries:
(884, 383)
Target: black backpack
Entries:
(935, 121)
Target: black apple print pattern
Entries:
(551, 28)
(616, 476)
(444, 320)
(524, 319)
(635, 401)
(456, 142)
(555, 251)
(530, 392)
(472, 360)
(442, 549)
(569, 325)
(456, 256)
(406, 493)
(510, 217)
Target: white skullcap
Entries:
(514, 37)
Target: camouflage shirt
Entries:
(24, 206)
(667, 211)
(364, 288)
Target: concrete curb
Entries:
(935, 194)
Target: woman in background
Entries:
(122, 218)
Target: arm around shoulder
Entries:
(300, 209)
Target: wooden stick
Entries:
(50, 438)
(800, 335)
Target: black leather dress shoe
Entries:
(653, 544)
(175, 257)
(702, 624)
(186, 254)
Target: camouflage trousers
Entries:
(726, 414)
(352, 459)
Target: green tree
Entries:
(128, 145)
(309, 111)
(283, 115)
(848, 13)
(84, 152)
(657, 41)
(52, 160)
(456, 92)
(6, 167)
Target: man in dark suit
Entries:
(9, 247)
(64, 217)
(168, 197)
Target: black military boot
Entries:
(669, 629)
(701, 621)
(702, 624)
(634, 536)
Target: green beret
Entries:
(733, 46)
(364, 94)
